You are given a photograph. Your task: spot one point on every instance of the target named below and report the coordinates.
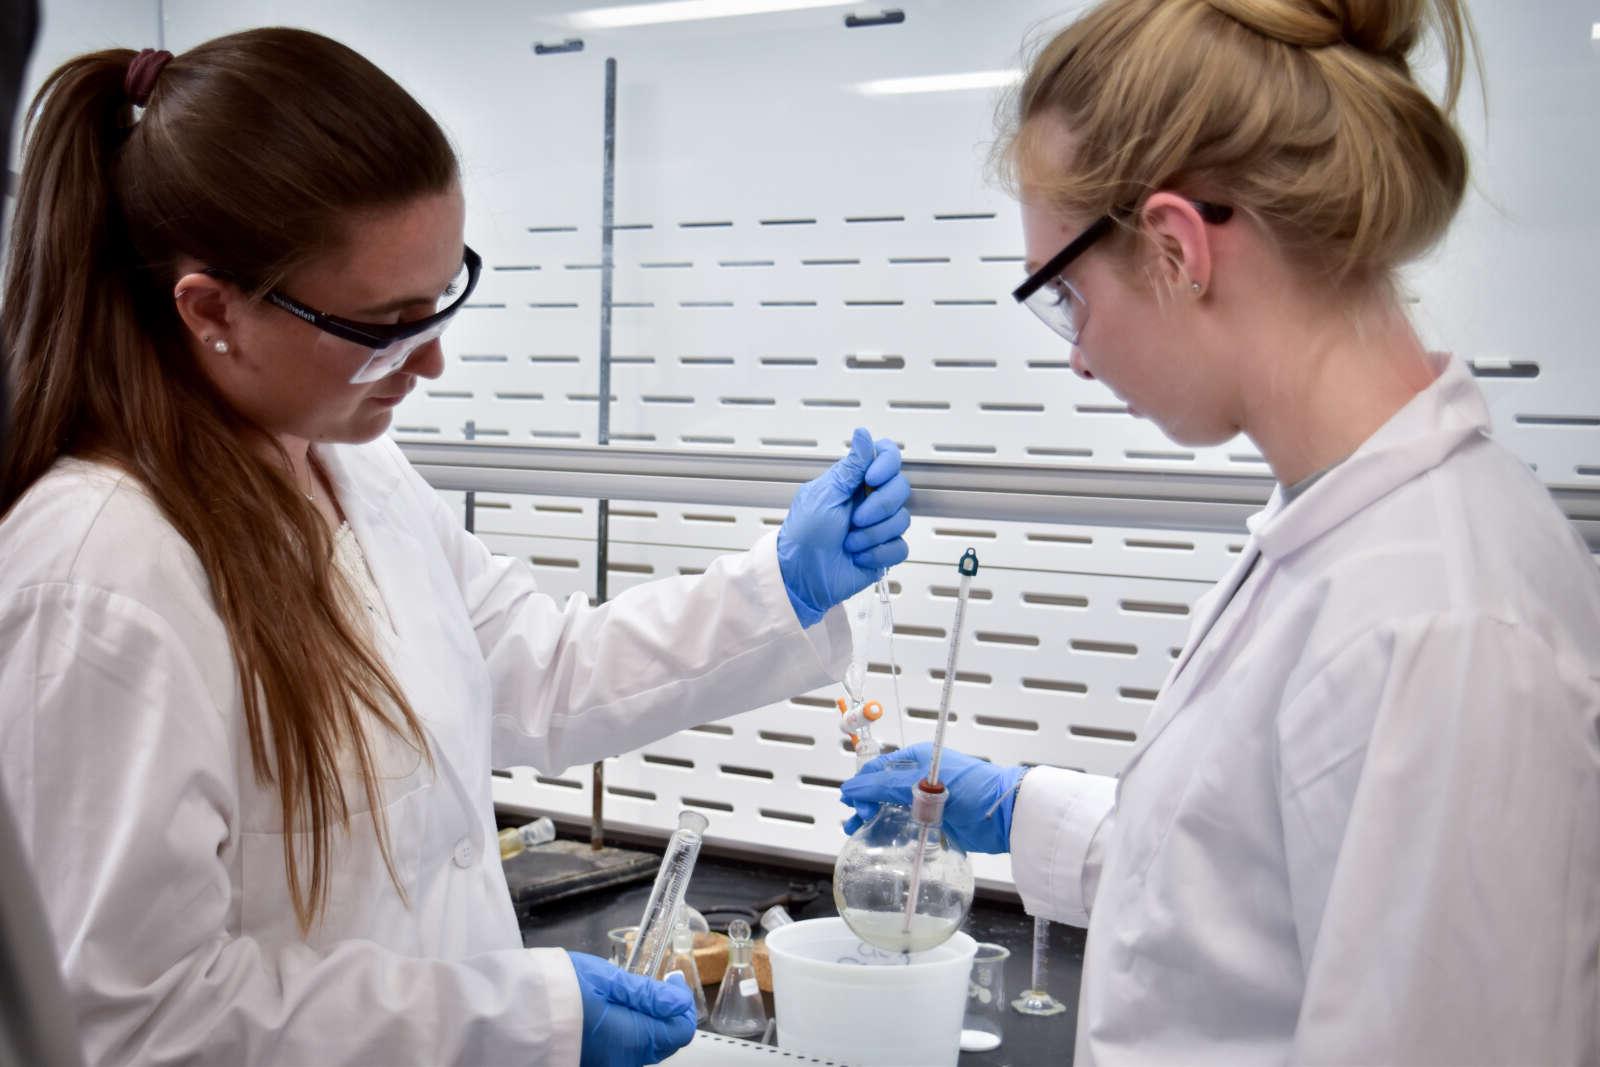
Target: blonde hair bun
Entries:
(1388, 28)
(1301, 114)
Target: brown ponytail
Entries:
(252, 152)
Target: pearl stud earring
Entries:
(220, 347)
(1196, 288)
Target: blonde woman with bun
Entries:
(1362, 824)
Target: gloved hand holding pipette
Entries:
(629, 1020)
(832, 543)
(981, 796)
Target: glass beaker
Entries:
(982, 1026)
(620, 940)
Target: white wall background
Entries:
(799, 258)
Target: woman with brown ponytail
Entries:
(253, 674)
(1362, 824)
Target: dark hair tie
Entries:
(142, 74)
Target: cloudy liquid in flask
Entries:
(888, 931)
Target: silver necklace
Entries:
(311, 478)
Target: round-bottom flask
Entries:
(877, 872)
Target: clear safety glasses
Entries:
(388, 344)
(1056, 301)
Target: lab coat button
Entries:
(463, 854)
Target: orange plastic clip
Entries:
(872, 711)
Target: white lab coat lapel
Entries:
(1418, 436)
(432, 669)
(390, 549)
(1209, 632)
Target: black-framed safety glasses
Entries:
(1056, 301)
(389, 343)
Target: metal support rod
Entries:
(469, 432)
(602, 543)
(608, 176)
(597, 834)
(999, 492)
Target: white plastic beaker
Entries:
(883, 1011)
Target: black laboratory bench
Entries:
(723, 881)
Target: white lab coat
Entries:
(1362, 824)
(124, 753)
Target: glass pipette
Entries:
(884, 605)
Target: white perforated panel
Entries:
(795, 258)
(1070, 631)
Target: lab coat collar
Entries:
(368, 486)
(1417, 438)
(361, 484)
(368, 490)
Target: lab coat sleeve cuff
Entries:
(830, 638)
(1058, 815)
(563, 1005)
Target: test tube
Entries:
(666, 896)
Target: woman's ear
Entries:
(1177, 233)
(207, 307)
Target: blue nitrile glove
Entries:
(833, 544)
(629, 1020)
(980, 795)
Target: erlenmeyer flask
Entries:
(739, 1011)
(682, 959)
